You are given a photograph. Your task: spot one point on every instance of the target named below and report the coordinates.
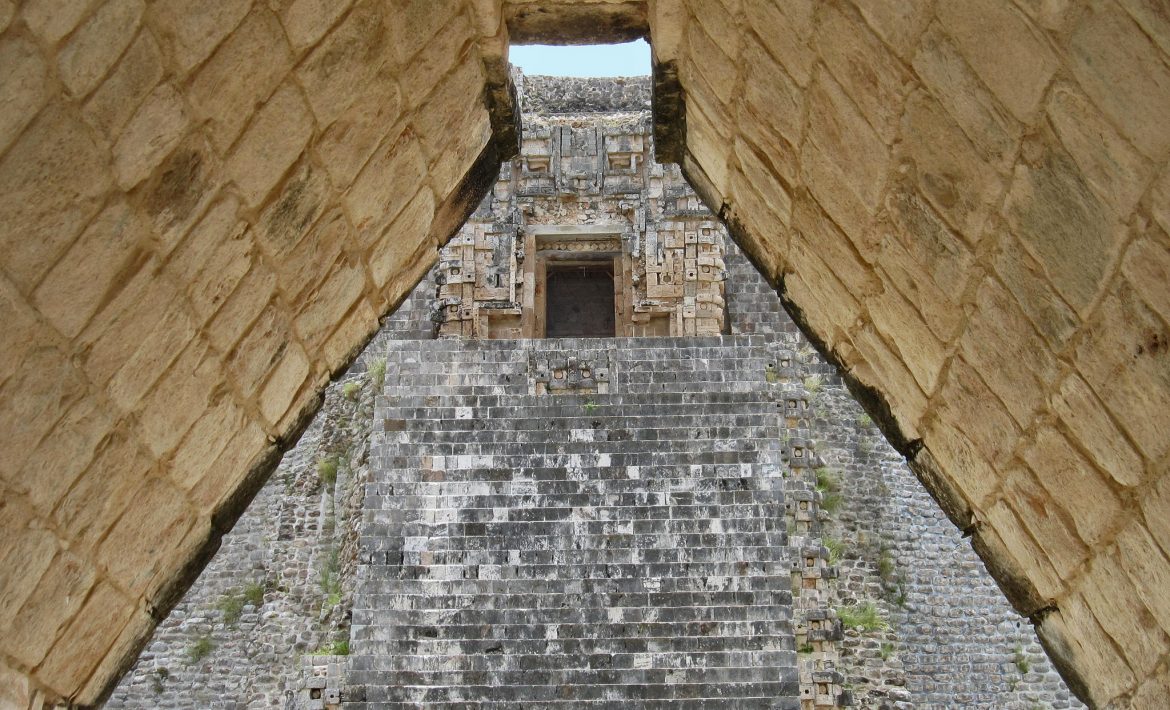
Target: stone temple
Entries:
(648, 491)
(208, 207)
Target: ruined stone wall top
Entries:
(548, 95)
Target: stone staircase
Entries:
(596, 523)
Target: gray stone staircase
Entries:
(620, 543)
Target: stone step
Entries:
(502, 657)
(623, 688)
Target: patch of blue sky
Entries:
(629, 59)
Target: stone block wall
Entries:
(203, 217)
(965, 204)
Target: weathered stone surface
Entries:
(22, 85)
(271, 144)
(98, 42)
(150, 135)
(191, 29)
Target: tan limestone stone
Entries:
(1023, 551)
(1016, 66)
(1075, 485)
(94, 270)
(1026, 279)
(288, 378)
(1078, 637)
(1090, 424)
(261, 349)
(152, 133)
(785, 29)
(271, 144)
(1048, 525)
(306, 21)
(137, 544)
(1147, 267)
(242, 307)
(116, 100)
(1147, 569)
(226, 96)
(52, 181)
(177, 400)
(402, 239)
(157, 349)
(25, 546)
(57, 597)
(191, 29)
(340, 289)
(60, 459)
(1124, 74)
(303, 269)
(34, 399)
(51, 21)
(206, 439)
(97, 44)
(1111, 594)
(84, 643)
(385, 185)
(354, 135)
(899, 22)
(97, 499)
(22, 84)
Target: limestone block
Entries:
(59, 459)
(1049, 525)
(716, 63)
(32, 401)
(1091, 426)
(333, 298)
(1020, 550)
(1159, 199)
(306, 21)
(1153, 691)
(1078, 637)
(177, 400)
(1124, 74)
(999, 337)
(960, 184)
(403, 239)
(50, 20)
(291, 216)
(1113, 169)
(95, 269)
(271, 144)
(903, 271)
(898, 22)
(814, 232)
(354, 135)
(1075, 485)
(876, 363)
(56, 599)
(246, 302)
(239, 76)
(1017, 66)
(388, 181)
(97, 44)
(784, 29)
(1152, 18)
(153, 132)
(157, 349)
(1147, 267)
(260, 349)
(355, 53)
(120, 655)
(416, 22)
(181, 189)
(220, 225)
(115, 101)
(1126, 359)
(229, 260)
(138, 543)
(770, 111)
(1025, 278)
(453, 127)
(52, 181)
(900, 322)
(288, 378)
(191, 29)
(449, 51)
(706, 143)
(99, 496)
(247, 445)
(206, 439)
(1146, 567)
(932, 246)
(7, 12)
(306, 265)
(26, 547)
(1155, 506)
(1112, 595)
(83, 644)
(872, 77)
(848, 188)
(992, 131)
(357, 328)
(1049, 14)
(757, 190)
(973, 455)
(23, 86)
(22, 329)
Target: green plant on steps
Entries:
(864, 615)
(331, 577)
(836, 549)
(351, 390)
(814, 383)
(232, 606)
(829, 486)
(886, 650)
(327, 470)
(199, 649)
(1021, 660)
(377, 372)
(590, 406)
(254, 594)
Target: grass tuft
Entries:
(864, 615)
(199, 649)
(377, 372)
(327, 470)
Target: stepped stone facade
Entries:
(679, 527)
(207, 205)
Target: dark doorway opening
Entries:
(580, 302)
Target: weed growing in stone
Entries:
(893, 580)
(864, 420)
(331, 577)
(836, 549)
(254, 594)
(590, 406)
(351, 390)
(158, 680)
(864, 615)
(1021, 660)
(199, 649)
(829, 486)
(232, 606)
(805, 648)
(886, 650)
(814, 383)
(336, 648)
(378, 373)
(327, 470)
